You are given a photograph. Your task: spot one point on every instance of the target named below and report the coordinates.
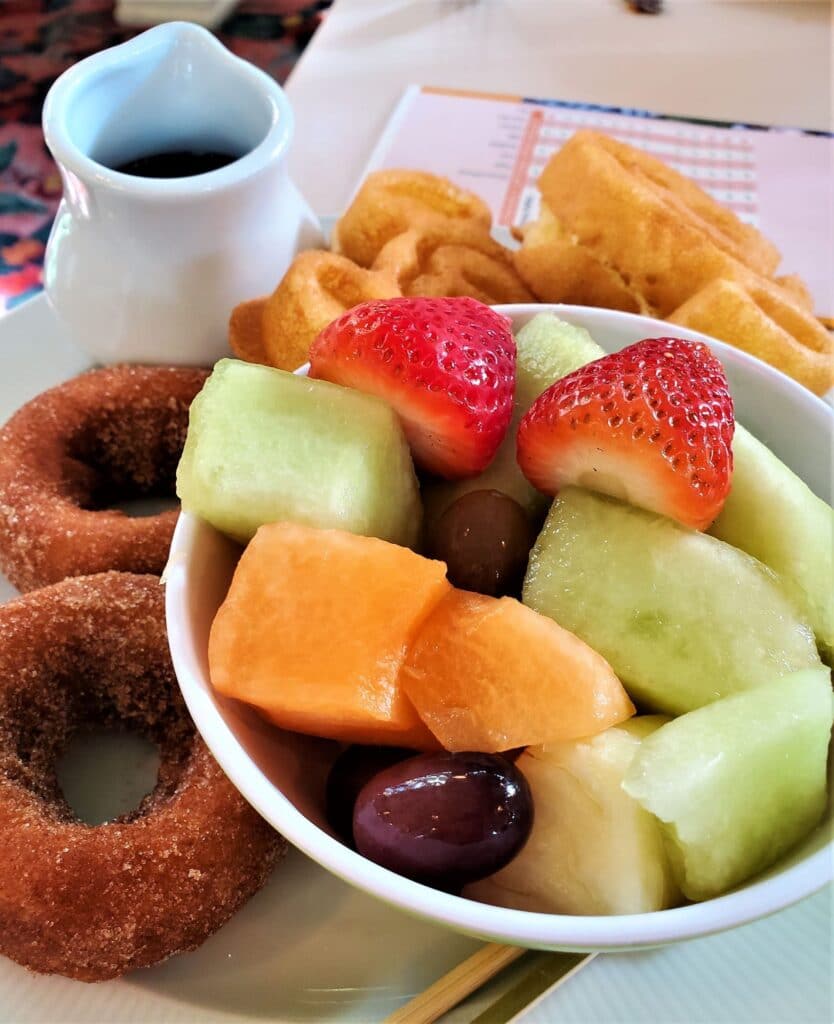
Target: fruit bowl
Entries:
(283, 774)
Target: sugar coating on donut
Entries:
(92, 902)
(66, 456)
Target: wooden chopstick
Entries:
(546, 972)
(455, 986)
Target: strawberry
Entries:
(447, 366)
(652, 425)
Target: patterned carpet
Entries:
(41, 38)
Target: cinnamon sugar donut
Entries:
(92, 902)
(104, 437)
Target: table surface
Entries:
(764, 62)
(756, 62)
(767, 63)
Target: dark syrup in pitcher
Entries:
(180, 163)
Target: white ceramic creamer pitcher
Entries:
(146, 269)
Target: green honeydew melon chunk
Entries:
(593, 848)
(264, 445)
(683, 618)
(738, 783)
(772, 515)
(548, 348)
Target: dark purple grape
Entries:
(350, 771)
(484, 537)
(444, 819)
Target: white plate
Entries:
(310, 948)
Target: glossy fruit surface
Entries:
(682, 618)
(773, 515)
(651, 425)
(489, 674)
(264, 446)
(738, 783)
(314, 629)
(447, 366)
(547, 349)
(351, 770)
(484, 538)
(593, 848)
(444, 819)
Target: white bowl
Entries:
(282, 774)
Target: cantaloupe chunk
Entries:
(490, 674)
(314, 630)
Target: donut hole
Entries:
(125, 458)
(96, 747)
(106, 774)
(140, 508)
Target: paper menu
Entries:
(782, 180)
